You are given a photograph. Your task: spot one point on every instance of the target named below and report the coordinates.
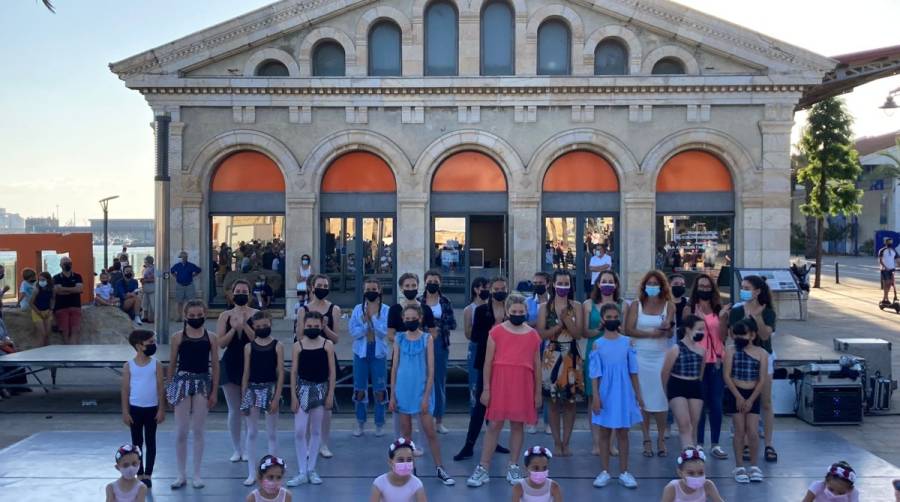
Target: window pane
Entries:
(559, 244)
(441, 41)
(247, 244)
(378, 253)
(610, 58)
(272, 68)
(384, 50)
(695, 244)
(498, 39)
(328, 60)
(553, 48)
(668, 66)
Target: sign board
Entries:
(778, 279)
(476, 258)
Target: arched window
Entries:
(498, 39)
(668, 66)
(328, 60)
(272, 68)
(554, 48)
(441, 39)
(384, 50)
(610, 58)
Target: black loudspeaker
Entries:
(828, 404)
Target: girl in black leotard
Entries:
(320, 286)
(192, 387)
(234, 332)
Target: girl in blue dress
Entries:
(412, 381)
(616, 403)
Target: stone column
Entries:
(469, 52)
(412, 233)
(193, 239)
(638, 243)
(524, 239)
(301, 237)
(748, 241)
(775, 189)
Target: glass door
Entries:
(378, 255)
(355, 248)
(245, 247)
(562, 235)
(339, 258)
(450, 256)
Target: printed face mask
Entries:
(403, 468)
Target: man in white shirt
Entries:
(599, 262)
(887, 262)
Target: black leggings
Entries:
(476, 416)
(143, 428)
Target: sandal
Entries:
(648, 448)
(663, 451)
(771, 454)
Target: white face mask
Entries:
(129, 472)
(42, 284)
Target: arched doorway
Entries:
(246, 211)
(468, 221)
(358, 204)
(695, 217)
(580, 205)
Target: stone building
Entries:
(481, 137)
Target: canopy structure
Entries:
(853, 70)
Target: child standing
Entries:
(412, 382)
(193, 386)
(617, 401)
(512, 367)
(682, 376)
(143, 398)
(837, 486)
(368, 327)
(127, 488)
(270, 473)
(399, 484)
(537, 487)
(691, 485)
(312, 392)
(261, 386)
(745, 375)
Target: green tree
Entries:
(832, 169)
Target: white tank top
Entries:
(391, 493)
(542, 494)
(258, 497)
(143, 392)
(649, 322)
(130, 495)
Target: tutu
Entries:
(311, 394)
(187, 384)
(258, 395)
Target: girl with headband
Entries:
(691, 485)
(537, 487)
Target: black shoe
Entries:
(464, 454)
(501, 449)
(147, 482)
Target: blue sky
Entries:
(73, 134)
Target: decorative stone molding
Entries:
(469, 114)
(691, 67)
(617, 153)
(269, 54)
(622, 34)
(698, 113)
(243, 114)
(468, 139)
(223, 145)
(411, 60)
(357, 114)
(525, 114)
(582, 113)
(732, 153)
(354, 140)
(300, 114)
(640, 113)
(412, 115)
(323, 34)
(576, 26)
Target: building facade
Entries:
(481, 137)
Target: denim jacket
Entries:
(447, 322)
(359, 327)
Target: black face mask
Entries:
(371, 296)
(741, 343)
(612, 325)
(129, 276)
(411, 326)
(263, 332)
(484, 294)
(705, 295)
(698, 337)
(410, 294)
(241, 299)
(67, 267)
(517, 319)
(678, 291)
(540, 289)
(312, 333)
(432, 288)
(149, 350)
(321, 293)
(196, 322)
(500, 296)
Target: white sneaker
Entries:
(299, 479)
(441, 429)
(418, 452)
(249, 481)
(756, 474)
(379, 431)
(547, 430)
(236, 457)
(314, 478)
(740, 475)
(601, 480)
(358, 430)
(627, 480)
(197, 483)
(479, 477)
(530, 429)
(325, 452)
(137, 321)
(513, 474)
(244, 457)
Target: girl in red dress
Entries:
(512, 368)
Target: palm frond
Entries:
(49, 5)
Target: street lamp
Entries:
(104, 204)
(889, 104)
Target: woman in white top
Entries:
(303, 274)
(649, 323)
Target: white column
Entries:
(638, 246)
(469, 52)
(412, 233)
(301, 237)
(775, 189)
(525, 240)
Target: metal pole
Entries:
(105, 235)
(837, 273)
(162, 208)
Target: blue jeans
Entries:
(441, 356)
(473, 374)
(713, 393)
(364, 369)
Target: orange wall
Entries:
(469, 172)
(247, 172)
(581, 172)
(694, 171)
(28, 249)
(359, 172)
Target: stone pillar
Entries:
(412, 233)
(301, 236)
(525, 240)
(194, 239)
(748, 242)
(775, 189)
(638, 243)
(470, 52)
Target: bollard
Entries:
(837, 272)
